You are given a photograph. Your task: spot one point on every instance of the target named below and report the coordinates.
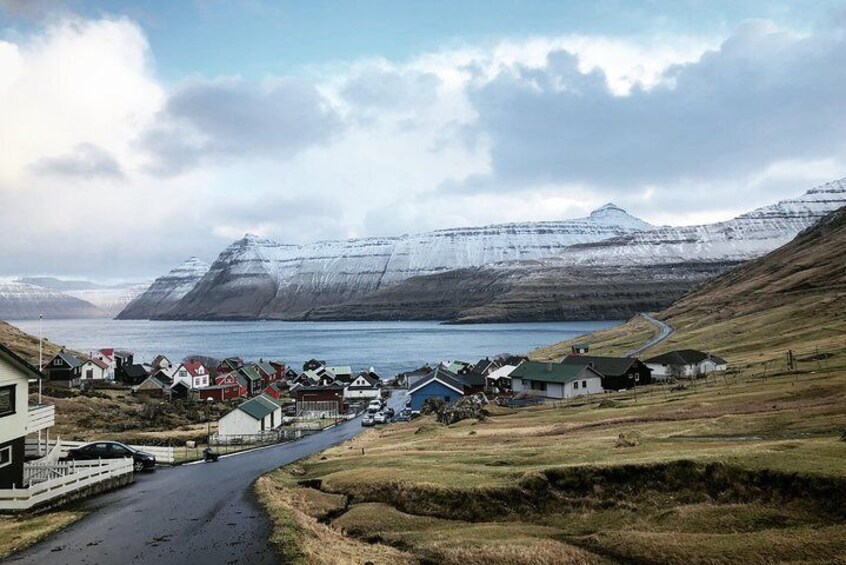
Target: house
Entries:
(500, 380)
(122, 359)
(556, 380)
(343, 373)
(618, 373)
(163, 376)
(250, 418)
(363, 386)
(411, 378)
(251, 380)
(229, 365)
(439, 383)
(193, 373)
(17, 416)
(231, 379)
(274, 390)
(63, 370)
(152, 386)
(280, 369)
(322, 401)
(265, 371)
(684, 363)
(133, 374)
(459, 367)
(220, 392)
(580, 348)
(161, 363)
(106, 356)
(313, 365)
(485, 367)
(473, 382)
(94, 370)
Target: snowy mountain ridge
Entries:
(166, 290)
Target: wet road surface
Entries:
(201, 513)
(666, 330)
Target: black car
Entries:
(112, 450)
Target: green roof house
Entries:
(557, 381)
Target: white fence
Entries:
(40, 417)
(163, 454)
(80, 475)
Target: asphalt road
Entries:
(203, 513)
(666, 330)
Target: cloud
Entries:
(229, 118)
(375, 88)
(86, 161)
(762, 97)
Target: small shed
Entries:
(219, 392)
(250, 418)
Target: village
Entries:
(268, 402)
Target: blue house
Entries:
(440, 383)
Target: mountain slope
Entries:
(259, 278)
(791, 298)
(20, 301)
(165, 291)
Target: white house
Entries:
(554, 380)
(500, 379)
(256, 415)
(193, 374)
(684, 363)
(17, 417)
(363, 386)
(94, 370)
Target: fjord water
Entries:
(390, 347)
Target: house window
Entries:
(7, 400)
(446, 399)
(576, 385)
(89, 373)
(584, 384)
(5, 456)
(57, 361)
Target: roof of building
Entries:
(608, 366)
(371, 381)
(157, 360)
(503, 372)
(684, 357)
(193, 367)
(97, 362)
(19, 362)
(484, 365)
(473, 379)
(134, 370)
(258, 407)
(551, 372)
(456, 366)
(69, 359)
(340, 370)
(249, 373)
(444, 376)
(266, 367)
(153, 381)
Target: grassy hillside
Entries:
(747, 466)
(24, 344)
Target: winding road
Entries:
(665, 332)
(202, 513)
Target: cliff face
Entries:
(259, 278)
(165, 291)
(607, 265)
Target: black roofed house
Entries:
(313, 365)
(618, 373)
(685, 363)
(122, 359)
(485, 367)
(554, 380)
(580, 348)
(229, 364)
(133, 375)
(64, 369)
(180, 389)
(473, 382)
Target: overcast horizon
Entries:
(136, 135)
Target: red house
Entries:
(229, 379)
(274, 390)
(319, 401)
(220, 392)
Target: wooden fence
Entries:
(68, 480)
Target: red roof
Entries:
(99, 363)
(193, 367)
(108, 352)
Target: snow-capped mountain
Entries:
(257, 277)
(745, 237)
(112, 300)
(21, 301)
(165, 291)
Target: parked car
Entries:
(368, 420)
(381, 418)
(113, 450)
(375, 404)
(403, 416)
(390, 412)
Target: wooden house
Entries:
(64, 369)
(94, 369)
(618, 373)
(439, 383)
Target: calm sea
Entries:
(390, 347)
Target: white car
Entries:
(381, 418)
(374, 405)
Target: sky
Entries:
(134, 135)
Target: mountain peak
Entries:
(610, 207)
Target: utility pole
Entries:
(40, 366)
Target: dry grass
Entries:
(19, 532)
(612, 341)
(24, 344)
(300, 538)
